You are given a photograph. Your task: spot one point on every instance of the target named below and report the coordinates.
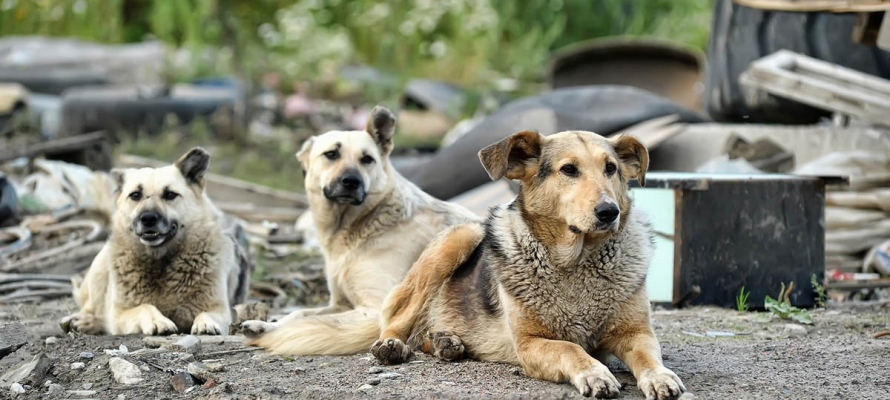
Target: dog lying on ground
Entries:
(372, 225)
(550, 279)
(168, 265)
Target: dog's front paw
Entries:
(254, 329)
(204, 324)
(391, 351)
(597, 381)
(660, 384)
(447, 346)
(81, 322)
(158, 325)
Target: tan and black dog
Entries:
(372, 225)
(553, 281)
(169, 265)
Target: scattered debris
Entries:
(17, 388)
(375, 370)
(200, 371)
(86, 354)
(29, 372)
(390, 375)
(55, 389)
(182, 381)
(78, 365)
(124, 372)
(374, 381)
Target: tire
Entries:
(741, 35)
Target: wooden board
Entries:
(820, 84)
(840, 6)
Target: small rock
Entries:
(449, 383)
(86, 354)
(27, 387)
(78, 365)
(181, 381)
(52, 340)
(200, 371)
(123, 350)
(365, 387)
(88, 385)
(209, 385)
(299, 370)
(28, 372)
(375, 370)
(121, 397)
(124, 372)
(188, 344)
(374, 381)
(55, 388)
(687, 396)
(82, 393)
(516, 371)
(855, 381)
(795, 330)
(13, 336)
(17, 388)
(215, 366)
(390, 375)
(324, 365)
(47, 383)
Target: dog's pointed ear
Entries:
(634, 157)
(193, 165)
(303, 154)
(514, 157)
(117, 177)
(381, 126)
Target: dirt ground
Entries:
(836, 359)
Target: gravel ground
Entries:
(837, 358)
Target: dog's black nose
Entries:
(351, 181)
(149, 219)
(606, 212)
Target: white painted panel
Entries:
(659, 205)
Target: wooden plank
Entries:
(839, 6)
(820, 84)
(54, 146)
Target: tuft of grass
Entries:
(741, 301)
(782, 307)
(819, 290)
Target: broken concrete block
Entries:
(12, 337)
(29, 372)
(124, 372)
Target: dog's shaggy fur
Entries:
(168, 266)
(550, 281)
(372, 225)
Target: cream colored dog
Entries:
(372, 225)
(168, 266)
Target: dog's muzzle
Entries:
(348, 189)
(153, 229)
(607, 214)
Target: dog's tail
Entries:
(350, 332)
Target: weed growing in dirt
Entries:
(819, 291)
(783, 308)
(741, 301)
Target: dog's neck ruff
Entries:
(577, 297)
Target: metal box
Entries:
(716, 233)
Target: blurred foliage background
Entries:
(473, 43)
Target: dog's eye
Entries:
(610, 168)
(169, 196)
(569, 170)
(135, 196)
(367, 160)
(332, 155)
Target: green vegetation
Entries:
(819, 291)
(782, 307)
(475, 43)
(741, 301)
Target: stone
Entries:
(375, 370)
(52, 340)
(78, 365)
(87, 355)
(82, 393)
(182, 381)
(390, 375)
(365, 387)
(17, 388)
(200, 371)
(28, 372)
(12, 337)
(124, 372)
(795, 330)
(55, 388)
(87, 385)
(215, 366)
(374, 381)
(208, 385)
